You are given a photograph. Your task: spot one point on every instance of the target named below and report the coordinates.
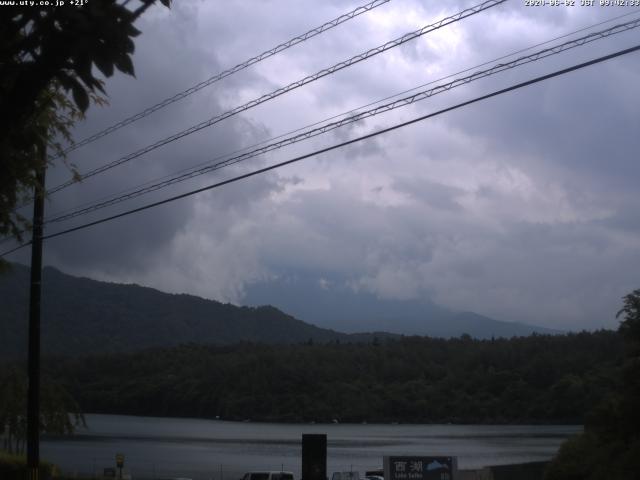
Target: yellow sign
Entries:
(119, 460)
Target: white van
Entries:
(268, 476)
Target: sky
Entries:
(522, 207)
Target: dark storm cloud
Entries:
(521, 207)
(132, 244)
(626, 219)
(433, 194)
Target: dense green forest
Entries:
(609, 447)
(413, 379)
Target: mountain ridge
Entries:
(332, 303)
(82, 316)
(85, 316)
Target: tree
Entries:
(22, 154)
(630, 327)
(59, 415)
(610, 446)
(47, 53)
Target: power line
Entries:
(241, 66)
(276, 93)
(416, 97)
(352, 112)
(342, 144)
(451, 75)
(15, 249)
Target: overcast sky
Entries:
(523, 207)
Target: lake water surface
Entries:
(221, 450)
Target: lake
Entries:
(221, 450)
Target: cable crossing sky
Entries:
(343, 144)
(241, 66)
(408, 100)
(297, 84)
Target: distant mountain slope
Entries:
(329, 304)
(82, 316)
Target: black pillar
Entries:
(33, 401)
(314, 457)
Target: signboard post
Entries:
(109, 472)
(120, 463)
(420, 468)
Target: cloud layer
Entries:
(523, 207)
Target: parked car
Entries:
(345, 476)
(268, 476)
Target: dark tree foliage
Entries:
(537, 379)
(610, 445)
(82, 316)
(44, 51)
(59, 413)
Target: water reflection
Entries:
(212, 449)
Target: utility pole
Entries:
(33, 401)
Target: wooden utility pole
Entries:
(33, 401)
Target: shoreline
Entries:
(276, 421)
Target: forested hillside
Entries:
(413, 379)
(82, 316)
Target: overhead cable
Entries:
(341, 145)
(402, 102)
(297, 84)
(351, 112)
(241, 66)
